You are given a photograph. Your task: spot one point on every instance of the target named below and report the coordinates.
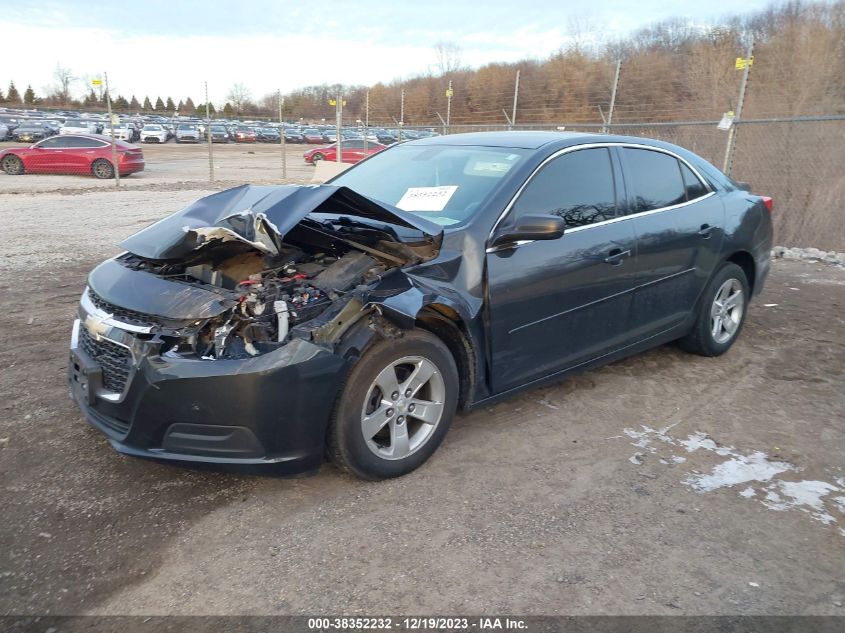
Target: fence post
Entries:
(449, 94)
(209, 136)
(366, 124)
(729, 150)
(282, 134)
(338, 123)
(606, 128)
(515, 97)
(401, 114)
(113, 142)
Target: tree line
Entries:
(669, 71)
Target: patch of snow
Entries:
(748, 492)
(739, 469)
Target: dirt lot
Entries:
(663, 484)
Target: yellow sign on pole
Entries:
(96, 82)
(742, 62)
(450, 92)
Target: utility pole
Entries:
(449, 94)
(401, 114)
(609, 122)
(515, 97)
(339, 114)
(281, 101)
(729, 150)
(209, 136)
(111, 127)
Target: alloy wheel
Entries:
(726, 311)
(403, 407)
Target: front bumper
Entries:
(269, 409)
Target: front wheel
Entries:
(396, 407)
(12, 165)
(103, 169)
(316, 157)
(721, 314)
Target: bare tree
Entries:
(239, 96)
(64, 78)
(447, 56)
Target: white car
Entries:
(4, 132)
(122, 131)
(78, 126)
(154, 133)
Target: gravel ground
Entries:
(662, 484)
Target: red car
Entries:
(72, 154)
(245, 134)
(351, 152)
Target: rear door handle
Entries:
(616, 256)
(705, 231)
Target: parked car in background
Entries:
(245, 134)
(187, 133)
(351, 152)
(154, 133)
(73, 154)
(219, 134)
(313, 136)
(268, 135)
(293, 136)
(122, 131)
(329, 136)
(78, 126)
(4, 132)
(32, 131)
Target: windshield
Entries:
(152, 128)
(186, 126)
(440, 183)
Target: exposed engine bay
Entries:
(240, 273)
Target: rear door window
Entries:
(577, 186)
(654, 179)
(695, 188)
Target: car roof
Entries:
(516, 140)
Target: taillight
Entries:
(768, 202)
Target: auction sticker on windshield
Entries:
(426, 198)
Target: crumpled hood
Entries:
(260, 216)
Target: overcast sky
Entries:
(169, 48)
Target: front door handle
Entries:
(705, 231)
(616, 256)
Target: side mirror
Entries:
(531, 227)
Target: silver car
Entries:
(187, 133)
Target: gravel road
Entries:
(662, 484)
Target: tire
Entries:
(316, 157)
(721, 313)
(12, 165)
(102, 169)
(363, 443)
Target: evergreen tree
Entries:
(228, 110)
(2, 98)
(170, 107)
(12, 94)
(200, 109)
(134, 106)
(120, 103)
(29, 97)
(189, 106)
(90, 99)
(180, 106)
(147, 105)
(159, 104)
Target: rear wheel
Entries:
(12, 165)
(103, 169)
(316, 157)
(396, 407)
(721, 314)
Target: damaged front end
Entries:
(253, 281)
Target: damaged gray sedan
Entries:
(279, 324)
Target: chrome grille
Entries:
(122, 314)
(115, 360)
